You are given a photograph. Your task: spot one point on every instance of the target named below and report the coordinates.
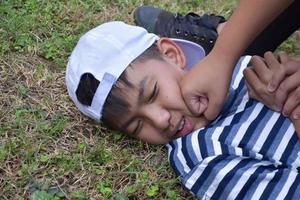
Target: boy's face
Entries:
(158, 113)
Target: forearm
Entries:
(247, 21)
(210, 77)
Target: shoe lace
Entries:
(189, 25)
(184, 24)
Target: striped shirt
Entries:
(248, 152)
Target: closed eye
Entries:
(154, 93)
(137, 128)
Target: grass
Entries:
(48, 150)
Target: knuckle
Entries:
(268, 53)
(282, 57)
(279, 97)
(272, 105)
(261, 90)
(268, 101)
(286, 110)
(251, 94)
(256, 62)
(296, 95)
(266, 95)
(283, 87)
(255, 58)
(296, 111)
(282, 90)
(282, 69)
(246, 72)
(268, 78)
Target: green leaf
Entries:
(105, 188)
(171, 194)
(118, 136)
(3, 153)
(41, 195)
(119, 196)
(44, 158)
(22, 90)
(152, 191)
(81, 146)
(78, 195)
(130, 189)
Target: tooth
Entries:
(181, 125)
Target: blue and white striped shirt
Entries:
(248, 152)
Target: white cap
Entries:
(105, 52)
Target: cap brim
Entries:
(192, 51)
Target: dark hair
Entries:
(115, 107)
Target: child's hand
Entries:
(285, 83)
(257, 77)
(204, 88)
(285, 72)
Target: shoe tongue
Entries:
(193, 18)
(165, 24)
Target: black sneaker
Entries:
(201, 30)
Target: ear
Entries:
(171, 52)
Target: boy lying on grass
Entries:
(130, 79)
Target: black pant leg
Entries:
(277, 32)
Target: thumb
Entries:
(197, 104)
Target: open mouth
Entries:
(184, 128)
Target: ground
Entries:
(48, 150)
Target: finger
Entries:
(284, 89)
(258, 91)
(249, 82)
(197, 104)
(259, 98)
(278, 74)
(296, 113)
(292, 66)
(201, 103)
(261, 69)
(282, 57)
(252, 93)
(281, 72)
(253, 81)
(292, 101)
(271, 61)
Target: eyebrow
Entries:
(141, 92)
(142, 84)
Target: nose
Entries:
(158, 116)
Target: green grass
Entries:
(48, 150)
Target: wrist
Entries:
(221, 60)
